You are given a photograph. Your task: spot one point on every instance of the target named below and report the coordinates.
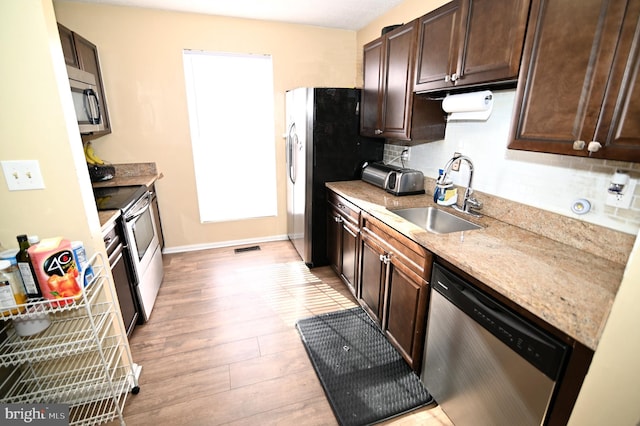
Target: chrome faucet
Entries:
(469, 203)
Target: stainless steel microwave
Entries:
(86, 100)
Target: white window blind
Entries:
(230, 101)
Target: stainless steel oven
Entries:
(141, 233)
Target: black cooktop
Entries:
(118, 197)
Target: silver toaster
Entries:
(395, 180)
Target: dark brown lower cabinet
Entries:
(372, 277)
(342, 239)
(394, 286)
(391, 277)
(349, 242)
(406, 311)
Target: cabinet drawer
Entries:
(415, 257)
(344, 207)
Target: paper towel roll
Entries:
(469, 106)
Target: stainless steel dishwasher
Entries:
(483, 364)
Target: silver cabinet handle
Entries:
(578, 145)
(447, 78)
(454, 77)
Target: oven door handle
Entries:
(136, 214)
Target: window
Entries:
(230, 101)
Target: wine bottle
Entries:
(26, 268)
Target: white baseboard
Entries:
(197, 247)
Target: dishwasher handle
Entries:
(541, 349)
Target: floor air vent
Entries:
(245, 249)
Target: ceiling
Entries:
(343, 14)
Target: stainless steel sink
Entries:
(436, 220)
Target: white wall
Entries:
(611, 390)
(547, 181)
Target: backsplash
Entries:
(546, 181)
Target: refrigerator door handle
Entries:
(291, 134)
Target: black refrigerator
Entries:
(323, 144)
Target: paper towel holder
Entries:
(469, 106)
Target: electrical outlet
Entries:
(623, 200)
(406, 154)
(22, 175)
(456, 164)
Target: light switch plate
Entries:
(22, 175)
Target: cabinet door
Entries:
(372, 277)
(619, 125)
(493, 41)
(87, 54)
(68, 47)
(372, 92)
(406, 310)
(334, 231)
(397, 102)
(349, 239)
(469, 42)
(565, 69)
(342, 246)
(438, 46)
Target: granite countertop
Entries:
(129, 174)
(570, 289)
(146, 180)
(107, 218)
(126, 174)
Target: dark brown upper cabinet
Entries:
(470, 42)
(68, 46)
(389, 108)
(81, 53)
(579, 80)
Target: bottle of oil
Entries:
(27, 272)
(12, 295)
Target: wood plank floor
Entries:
(221, 345)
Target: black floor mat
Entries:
(366, 380)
